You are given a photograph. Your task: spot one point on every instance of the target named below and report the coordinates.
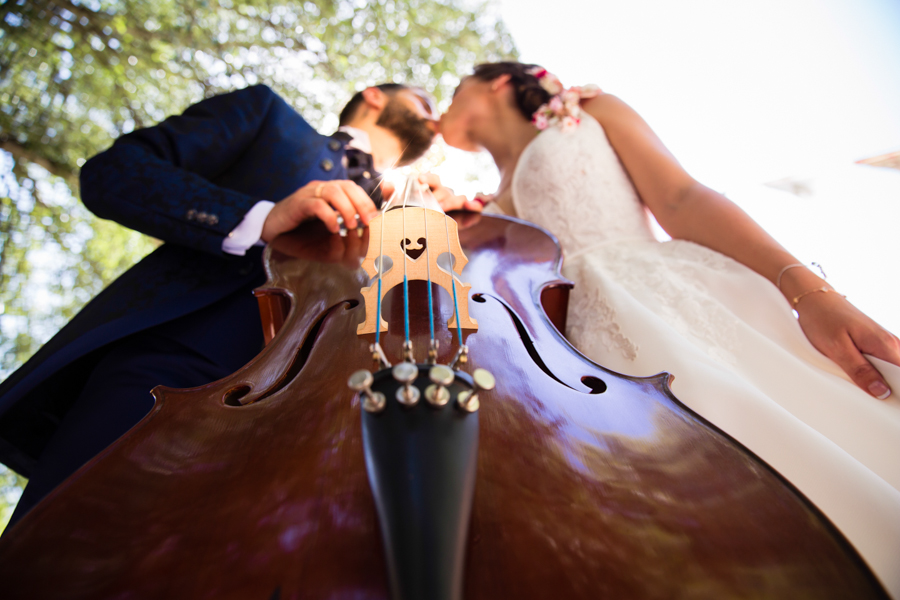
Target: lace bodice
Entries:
(572, 183)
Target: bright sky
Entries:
(748, 93)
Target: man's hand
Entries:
(324, 200)
(444, 195)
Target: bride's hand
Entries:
(445, 196)
(843, 333)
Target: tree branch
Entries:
(21, 152)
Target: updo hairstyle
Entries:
(529, 94)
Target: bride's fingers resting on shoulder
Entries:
(843, 333)
(445, 196)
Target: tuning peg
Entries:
(468, 400)
(437, 394)
(361, 381)
(406, 373)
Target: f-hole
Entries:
(595, 384)
(232, 397)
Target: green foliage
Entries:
(76, 74)
(11, 484)
(54, 257)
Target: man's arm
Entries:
(158, 180)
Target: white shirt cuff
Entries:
(249, 231)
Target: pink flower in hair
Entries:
(548, 80)
(571, 98)
(556, 105)
(550, 83)
(564, 107)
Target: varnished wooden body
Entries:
(619, 494)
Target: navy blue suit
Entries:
(187, 181)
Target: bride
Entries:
(714, 306)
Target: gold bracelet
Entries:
(808, 292)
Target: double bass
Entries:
(417, 427)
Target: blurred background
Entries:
(789, 107)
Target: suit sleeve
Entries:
(158, 180)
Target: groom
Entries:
(215, 184)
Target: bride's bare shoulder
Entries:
(607, 107)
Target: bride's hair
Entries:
(528, 91)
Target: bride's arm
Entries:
(688, 210)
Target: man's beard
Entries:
(412, 130)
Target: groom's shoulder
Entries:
(259, 92)
(262, 95)
(255, 95)
(253, 102)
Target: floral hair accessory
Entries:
(564, 107)
(548, 80)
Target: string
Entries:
(428, 270)
(380, 272)
(405, 279)
(453, 282)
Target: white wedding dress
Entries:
(738, 355)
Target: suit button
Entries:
(334, 145)
(202, 217)
(212, 219)
(191, 215)
(327, 165)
